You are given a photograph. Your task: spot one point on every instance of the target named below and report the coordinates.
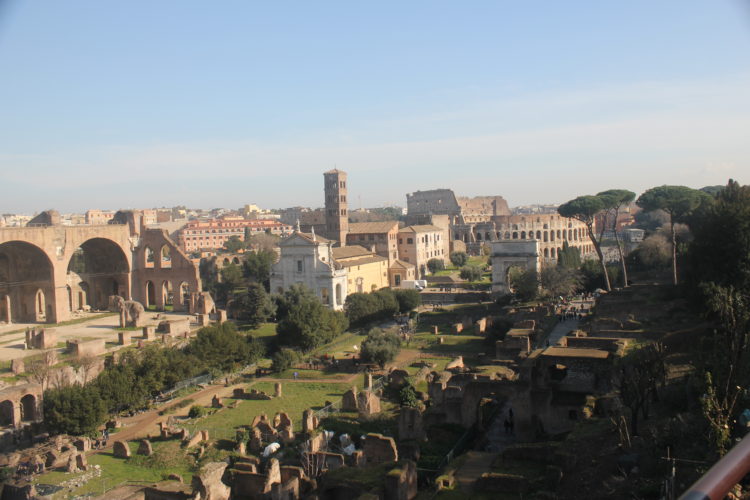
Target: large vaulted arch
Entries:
(26, 283)
(98, 269)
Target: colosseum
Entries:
(549, 230)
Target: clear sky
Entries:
(216, 104)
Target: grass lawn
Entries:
(263, 331)
(168, 458)
(439, 363)
(461, 344)
(297, 397)
(311, 374)
(342, 346)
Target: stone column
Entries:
(278, 389)
(5, 306)
(16, 414)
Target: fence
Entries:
(200, 379)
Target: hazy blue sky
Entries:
(156, 103)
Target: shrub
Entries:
(407, 396)
(363, 308)
(471, 273)
(284, 359)
(408, 300)
(435, 265)
(197, 411)
(380, 347)
(75, 410)
(459, 259)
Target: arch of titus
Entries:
(507, 254)
(48, 270)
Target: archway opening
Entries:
(184, 294)
(97, 270)
(4, 308)
(6, 413)
(25, 270)
(148, 257)
(28, 408)
(167, 294)
(150, 295)
(166, 257)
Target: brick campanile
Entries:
(337, 214)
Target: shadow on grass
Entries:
(225, 444)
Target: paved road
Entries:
(476, 464)
(561, 330)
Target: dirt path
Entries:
(147, 423)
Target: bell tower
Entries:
(337, 214)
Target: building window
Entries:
(409, 241)
(299, 266)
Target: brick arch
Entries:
(7, 413)
(27, 271)
(96, 270)
(20, 404)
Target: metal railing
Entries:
(200, 379)
(721, 478)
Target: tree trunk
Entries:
(598, 249)
(634, 421)
(622, 256)
(674, 250)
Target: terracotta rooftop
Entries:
(419, 229)
(372, 227)
(309, 237)
(350, 251)
(361, 261)
(402, 265)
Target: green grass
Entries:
(459, 344)
(350, 423)
(439, 363)
(263, 331)
(168, 459)
(341, 346)
(310, 374)
(297, 397)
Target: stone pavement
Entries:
(11, 344)
(476, 464)
(561, 329)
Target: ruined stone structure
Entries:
(456, 215)
(548, 390)
(337, 213)
(550, 230)
(483, 219)
(522, 254)
(48, 271)
(20, 404)
(530, 242)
